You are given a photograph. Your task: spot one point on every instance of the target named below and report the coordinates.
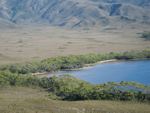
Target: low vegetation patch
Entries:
(36, 100)
(69, 88)
(146, 35)
(71, 62)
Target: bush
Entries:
(71, 62)
(146, 35)
(70, 88)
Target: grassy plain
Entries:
(22, 44)
(29, 100)
(34, 43)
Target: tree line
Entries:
(69, 88)
(71, 62)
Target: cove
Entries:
(136, 71)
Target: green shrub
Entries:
(146, 35)
(71, 62)
(67, 87)
(70, 88)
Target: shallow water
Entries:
(138, 71)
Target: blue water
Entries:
(137, 71)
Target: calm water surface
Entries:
(138, 71)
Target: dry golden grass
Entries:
(34, 43)
(29, 100)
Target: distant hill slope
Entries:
(76, 13)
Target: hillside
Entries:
(76, 13)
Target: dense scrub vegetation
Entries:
(71, 62)
(146, 35)
(36, 100)
(69, 88)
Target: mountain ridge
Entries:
(76, 13)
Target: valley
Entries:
(42, 40)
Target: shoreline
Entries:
(86, 66)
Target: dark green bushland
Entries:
(71, 62)
(146, 35)
(70, 88)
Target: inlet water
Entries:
(137, 71)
